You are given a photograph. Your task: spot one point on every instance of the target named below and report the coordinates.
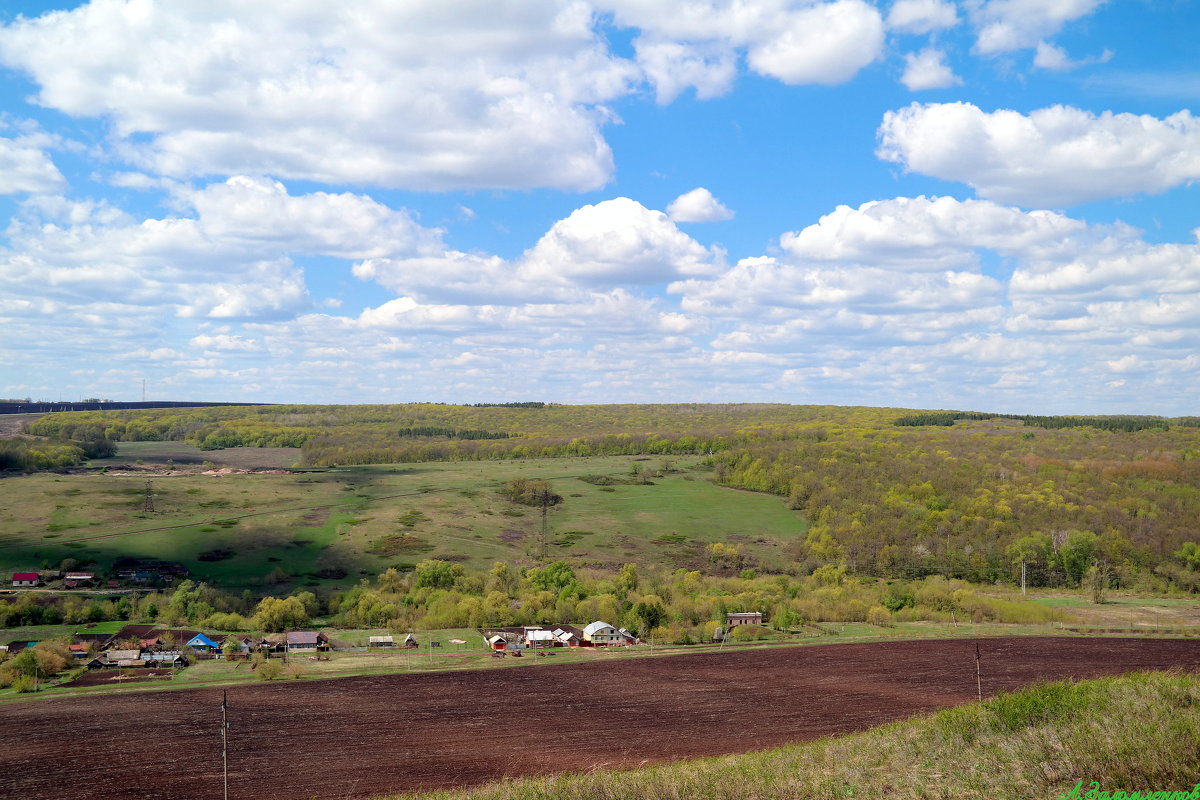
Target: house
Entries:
(601, 634)
(566, 636)
(79, 650)
(203, 644)
(540, 638)
(409, 641)
(735, 618)
(306, 641)
(116, 657)
(381, 641)
(248, 644)
(25, 579)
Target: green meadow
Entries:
(268, 530)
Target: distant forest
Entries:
(896, 493)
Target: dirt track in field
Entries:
(359, 737)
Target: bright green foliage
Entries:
(1189, 554)
(436, 574)
(276, 614)
(553, 577)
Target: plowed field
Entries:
(359, 737)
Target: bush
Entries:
(878, 615)
(530, 492)
(24, 683)
(269, 671)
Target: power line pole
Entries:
(1022, 577)
(978, 678)
(148, 499)
(225, 738)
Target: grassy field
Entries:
(1130, 733)
(335, 526)
(1144, 614)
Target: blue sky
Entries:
(987, 204)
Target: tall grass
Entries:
(1134, 732)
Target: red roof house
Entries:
(25, 579)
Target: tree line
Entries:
(681, 606)
(967, 501)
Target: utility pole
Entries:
(148, 499)
(978, 678)
(1022, 577)
(225, 738)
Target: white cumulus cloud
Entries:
(617, 241)
(698, 205)
(928, 70)
(1006, 25)
(921, 16)
(1053, 157)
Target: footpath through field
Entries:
(361, 737)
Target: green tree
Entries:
(627, 578)
(436, 574)
(274, 614)
(1189, 554)
(1078, 554)
(552, 577)
(649, 614)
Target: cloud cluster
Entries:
(416, 95)
(890, 299)
(1053, 157)
(1006, 25)
(697, 43)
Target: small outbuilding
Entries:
(381, 641)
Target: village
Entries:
(146, 651)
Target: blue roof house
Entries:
(202, 643)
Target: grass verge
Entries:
(1136, 732)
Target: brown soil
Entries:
(360, 737)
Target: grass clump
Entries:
(1134, 732)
